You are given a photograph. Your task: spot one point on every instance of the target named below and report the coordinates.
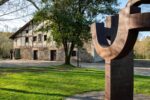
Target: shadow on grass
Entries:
(61, 68)
(141, 77)
(37, 69)
(36, 93)
(23, 69)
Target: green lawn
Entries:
(55, 83)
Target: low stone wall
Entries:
(141, 63)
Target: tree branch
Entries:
(3, 1)
(34, 4)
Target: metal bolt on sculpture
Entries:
(115, 43)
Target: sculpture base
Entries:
(119, 78)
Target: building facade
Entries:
(30, 44)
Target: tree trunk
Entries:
(68, 52)
(67, 60)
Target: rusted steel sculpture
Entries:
(115, 43)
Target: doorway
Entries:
(53, 55)
(17, 54)
(35, 55)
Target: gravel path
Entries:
(100, 96)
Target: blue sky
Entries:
(122, 3)
(144, 7)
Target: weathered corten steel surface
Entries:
(130, 21)
(115, 43)
(137, 2)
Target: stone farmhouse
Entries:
(30, 44)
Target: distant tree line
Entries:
(142, 48)
(5, 45)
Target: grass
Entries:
(55, 83)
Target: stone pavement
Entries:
(27, 63)
(100, 96)
(140, 70)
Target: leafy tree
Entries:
(69, 20)
(142, 48)
(35, 3)
(5, 44)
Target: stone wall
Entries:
(60, 54)
(85, 53)
(85, 56)
(26, 53)
(43, 54)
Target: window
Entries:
(45, 37)
(26, 39)
(34, 38)
(40, 37)
(74, 53)
(27, 31)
